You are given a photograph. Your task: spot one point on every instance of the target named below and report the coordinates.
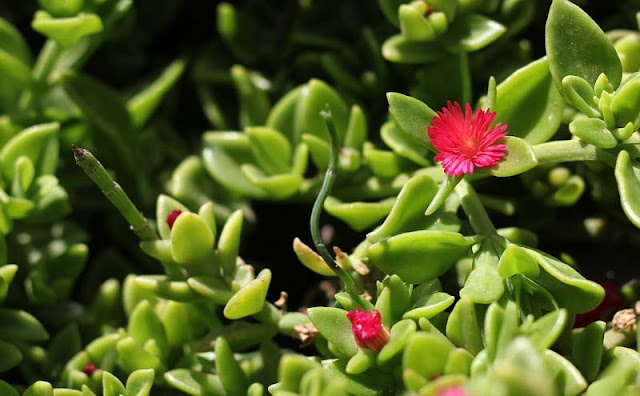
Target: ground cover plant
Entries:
(431, 197)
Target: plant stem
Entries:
(318, 205)
(570, 151)
(472, 206)
(114, 193)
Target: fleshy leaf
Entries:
(577, 46)
(529, 103)
(334, 325)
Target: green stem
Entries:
(472, 206)
(114, 193)
(570, 151)
(318, 205)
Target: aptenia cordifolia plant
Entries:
(488, 157)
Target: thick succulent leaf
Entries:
(529, 103)
(576, 46)
(334, 325)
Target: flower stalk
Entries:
(114, 193)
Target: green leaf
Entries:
(587, 349)
(12, 42)
(111, 385)
(472, 32)
(384, 164)
(143, 104)
(229, 242)
(10, 357)
(282, 115)
(253, 97)
(32, 143)
(356, 129)
(212, 288)
(576, 46)
(625, 105)
(413, 23)
(361, 361)
(233, 379)
(41, 388)
(393, 300)
(544, 332)
(400, 334)
(628, 187)
(334, 325)
(519, 159)
(413, 116)
(407, 212)
(17, 77)
(132, 356)
(399, 49)
(66, 31)
(516, 260)
(17, 325)
(570, 289)
(5, 388)
(144, 325)
(250, 299)
(270, 148)
(500, 328)
(314, 98)
(483, 284)
(279, 186)
(191, 239)
(292, 368)
(463, 328)
(580, 95)
(223, 168)
(359, 215)
(426, 344)
(593, 131)
(432, 305)
(195, 383)
(310, 259)
(402, 144)
(420, 256)
(139, 382)
(571, 382)
(529, 103)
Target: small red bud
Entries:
(430, 10)
(171, 217)
(89, 369)
(367, 329)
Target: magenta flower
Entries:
(466, 141)
(452, 391)
(367, 329)
(172, 217)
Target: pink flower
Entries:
(452, 391)
(466, 141)
(367, 329)
(171, 217)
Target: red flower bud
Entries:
(89, 369)
(367, 329)
(171, 217)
